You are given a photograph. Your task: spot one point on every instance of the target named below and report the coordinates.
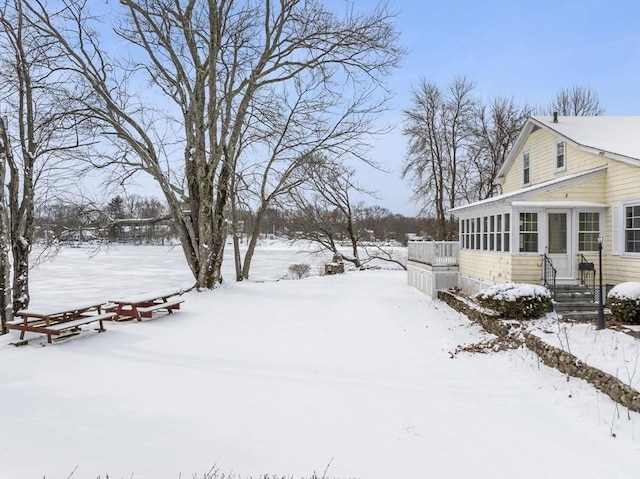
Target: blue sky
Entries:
(525, 49)
(528, 50)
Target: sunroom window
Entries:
(528, 233)
(507, 228)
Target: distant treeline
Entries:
(136, 219)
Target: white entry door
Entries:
(559, 243)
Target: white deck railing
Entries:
(435, 253)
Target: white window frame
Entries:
(538, 233)
(492, 233)
(526, 168)
(557, 155)
(623, 248)
(600, 228)
(506, 232)
(485, 233)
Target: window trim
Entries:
(526, 168)
(623, 250)
(557, 155)
(535, 232)
(492, 233)
(600, 229)
(506, 228)
(486, 233)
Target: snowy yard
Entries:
(351, 372)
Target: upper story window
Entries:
(632, 229)
(560, 155)
(525, 168)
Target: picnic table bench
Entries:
(143, 306)
(56, 322)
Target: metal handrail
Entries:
(587, 272)
(549, 275)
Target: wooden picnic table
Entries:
(55, 322)
(143, 306)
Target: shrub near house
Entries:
(516, 301)
(624, 302)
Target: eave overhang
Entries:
(519, 196)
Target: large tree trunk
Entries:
(253, 241)
(6, 304)
(219, 228)
(237, 256)
(21, 203)
(354, 241)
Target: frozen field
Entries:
(351, 374)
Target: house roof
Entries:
(512, 197)
(615, 137)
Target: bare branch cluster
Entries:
(579, 100)
(458, 142)
(239, 94)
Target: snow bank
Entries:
(629, 290)
(284, 378)
(514, 291)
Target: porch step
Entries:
(583, 316)
(573, 297)
(575, 306)
(572, 293)
(575, 302)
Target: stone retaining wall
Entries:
(490, 322)
(553, 357)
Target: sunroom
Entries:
(535, 235)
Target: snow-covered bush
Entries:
(516, 300)
(624, 302)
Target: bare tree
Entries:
(439, 128)
(324, 212)
(495, 129)
(46, 131)
(376, 218)
(310, 220)
(301, 124)
(214, 61)
(457, 144)
(579, 100)
(377, 252)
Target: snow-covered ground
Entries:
(349, 373)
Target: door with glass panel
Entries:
(559, 243)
